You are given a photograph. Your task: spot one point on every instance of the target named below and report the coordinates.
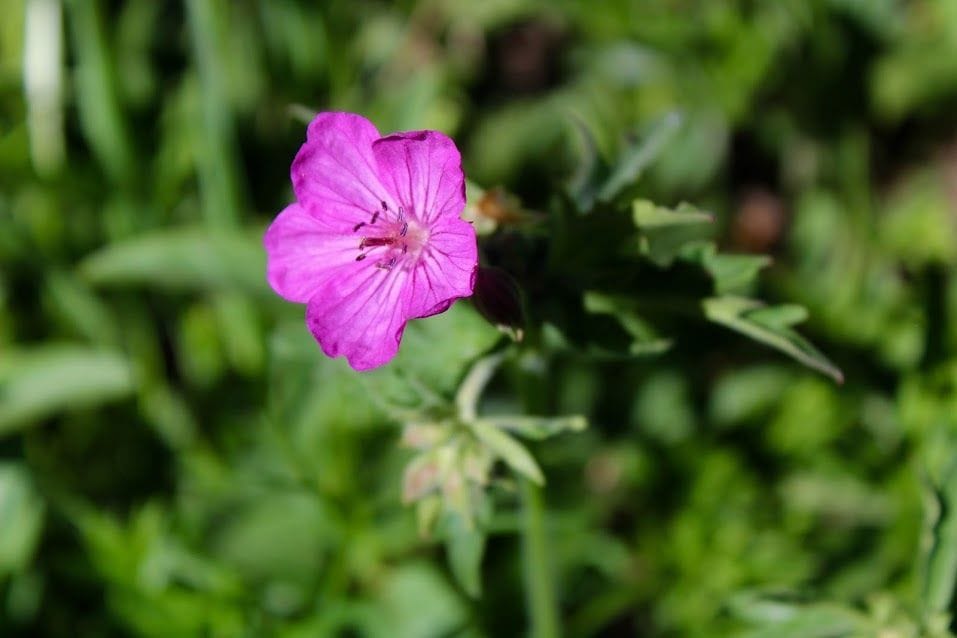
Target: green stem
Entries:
(539, 585)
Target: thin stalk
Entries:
(539, 584)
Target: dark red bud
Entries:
(498, 298)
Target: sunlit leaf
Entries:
(182, 259)
(39, 382)
(665, 233)
(770, 326)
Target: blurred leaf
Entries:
(80, 309)
(39, 382)
(637, 156)
(585, 181)
(465, 545)
(282, 537)
(184, 259)
(416, 602)
(662, 408)
(100, 114)
(433, 358)
(770, 326)
(939, 561)
(747, 394)
(509, 450)
(537, 428)
(784, 620)
(21, 518)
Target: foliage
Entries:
(721, 401)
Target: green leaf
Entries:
(940, 559)
(666, 233)
(465, 545)
(21, 518)
(433, 358)
(509, 450)
(39, 382)
(626, 311)
(770, 326)
(537, 427)
(413, 601)
(823, 620)
(638, 155)
(584, 182)
(182, 259)
(731, 273)
(647, 215)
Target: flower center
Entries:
(394, 238)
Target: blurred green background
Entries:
(178, 459)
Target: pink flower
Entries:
(374, 238)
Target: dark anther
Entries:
(384, 206)
(405, 229)
(361, 257)
(356, 228)
(375, 216)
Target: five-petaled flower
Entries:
(374, 238)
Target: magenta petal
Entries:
(334, 175)
(302, 254)
(423, 169)
(360, 315)
(446, 269)
(375, 238)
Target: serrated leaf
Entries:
(182, 259)
(664, 233)
(36, 383)
(537, 427)
(730, 273)
(647, 215)
(769, 326)
(509, 450)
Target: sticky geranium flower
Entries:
(374, 238)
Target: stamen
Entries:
(387, 265)
(405, 229)
(375, 216)
(376, 241)
(356, 228)
(361, 257)
(384, 206)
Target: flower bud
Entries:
(498, 298)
